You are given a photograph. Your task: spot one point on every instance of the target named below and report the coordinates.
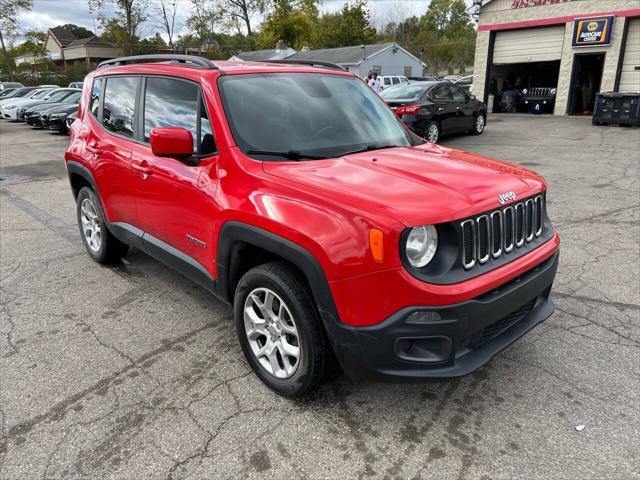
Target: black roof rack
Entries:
(313, 63)
(165, 57)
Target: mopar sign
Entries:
(589, 32)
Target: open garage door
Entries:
(529, 45)
(630, 75)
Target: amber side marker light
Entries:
(376, 244)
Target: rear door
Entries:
(108, 144)
(174, 196)
(445, 108)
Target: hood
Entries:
(63, 109)
(49, 106)
(421, 185)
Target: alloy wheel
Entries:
(434, 133)
(90, 225)
(480, 123)
(272, 333)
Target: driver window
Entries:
(458, 95)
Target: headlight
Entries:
(421, 246)
(524, 91)
(553, 91)
(54, 116)
(10, 107)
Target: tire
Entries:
(292, 376)
(478, 124)
(103, 247)
(432, 133)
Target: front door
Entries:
(174, 197)
(464, 109)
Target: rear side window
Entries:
(441, 92)
(119, 105)
(94, 102)
(176, 103)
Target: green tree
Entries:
(77, 31)
(294, 22)
(349, 26)
(9, 11)
(116, 35)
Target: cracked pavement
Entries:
(133, 372)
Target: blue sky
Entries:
(49, 13)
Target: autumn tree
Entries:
(165, 12)
(130, 14)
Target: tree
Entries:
(203, 21)
(115, 34)
(350, 26)
(9, 11)
(165, 17)
(130, 14)
(77, 31)
(237, 14)
(295, 23)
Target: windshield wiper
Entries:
(369, 148)
(289, 154)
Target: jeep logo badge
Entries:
(506, 197)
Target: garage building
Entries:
(557, 53)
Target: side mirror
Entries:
(171, 142)
(472, 97)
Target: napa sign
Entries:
(592, 32)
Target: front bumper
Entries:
(418, 343)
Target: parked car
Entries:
(75, 85)
(389, 80)
(434, 109)
(37, 116)
(328, 226)
(7, 85)
(9, 109)
(6, 91)
(56, 95)
(18, 93)
(451, 78)
(545, 97)
(56, 118)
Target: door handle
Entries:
(440, 109)
(457, 108)
(142, 168)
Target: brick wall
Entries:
(499, 12)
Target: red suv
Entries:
(293, 193)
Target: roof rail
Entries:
(312, 63)
(163, 57)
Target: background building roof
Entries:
(63, 37)
(341, 55)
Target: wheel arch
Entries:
(232, 234)
(80, 176)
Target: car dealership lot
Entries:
(134, 372)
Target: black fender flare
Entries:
(76, 168)
(310, 267)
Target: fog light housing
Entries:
(434, 349)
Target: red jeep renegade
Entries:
(293, 193)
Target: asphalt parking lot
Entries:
(133, 372)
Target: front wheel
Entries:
(100, 244)
(279, 330)
(479, 124)
(433, 131)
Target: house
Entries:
(383, 58)
(281, 52)
(63, 47)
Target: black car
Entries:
(70, 119)
(433, 109)
(56, 118)
(34, 116)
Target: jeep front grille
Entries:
(539, 92)
(502, 231)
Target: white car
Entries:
(389, 80)
(9, 110)
(37, 94)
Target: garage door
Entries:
(528, 45)
(630, 77)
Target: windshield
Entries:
(322, 115)
(60, 95)
(24, 93)
(407, 91)
(73, 98)
(41, 93)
